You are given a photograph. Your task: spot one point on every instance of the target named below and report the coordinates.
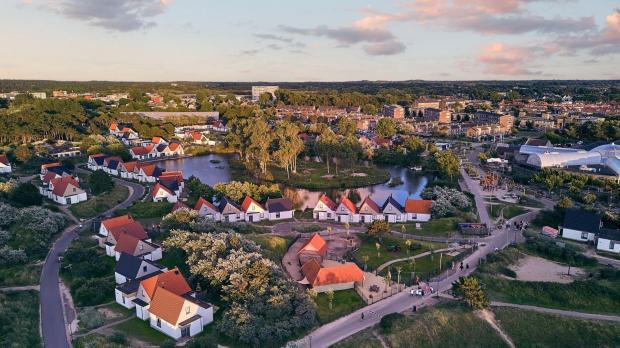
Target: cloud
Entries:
(251, 52)
(384, 48)
(118, 15)
(274, 37)
(500, 59)
(601, 42)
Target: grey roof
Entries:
(99, 160)
(394, 203)
(128, 265)
(581, 220)
(113, 164)
(608, 233)
(278, 205)
(224, 202)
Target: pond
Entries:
(214, 168)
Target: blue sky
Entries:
(269, 40)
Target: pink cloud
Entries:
(500, 59)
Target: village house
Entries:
(129, 137)
(5, 165)
(254, 212)
(314, 249)
(325, 209)
(393, 211)
(147, 172)
(335, 276)
(63, 190)
(141, 153)
(418, 209)
(129, 267)
(161, 192)
(110, 229)
(127, 170)
(580, 225)
(143, 248)
(207, 210)
(198, 138)
(608, 240)
(346, 212)
(229, 211)
(369, 211)
(279, 208)
(95, 162)
(112, 164)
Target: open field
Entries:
(424, 267)
(19, 319)
(441, 227)
(507, 210)
(96, 205)
(274, 247)
(345, 302)
(532, 329)
(375, 259)
(20, 275)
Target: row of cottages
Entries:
(368, 211)
(156, 149)
(199, 138)
(160, 296)
(123, 234)
(113, 165)
(249, 210)
(127, 135)
(59, 185)
(5, 165)
(321, 274)
(584, 226)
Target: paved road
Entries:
(580, 315)
(53, 327)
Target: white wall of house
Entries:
(119, 278)
(608, 245)
(154, 255)
(142, 312)
(281, 216)
(418, 217)
(335, 287)
(323, 215)
(165, 327)
(124, 300)
(577, 235)
(4, 169)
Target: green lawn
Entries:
(308, 228)
(274, 247)
(442, 227)
(509, 210)
(19, 275)
(530, 202)
(532, 329)
(141, 330)
(345, 302)
(362, 339)
(96, 340)
(424, 267)
(313, 175)
(142, 210)
(306, 214)
(96, 205)
(445, 325)
(19, 319)
(369, 248)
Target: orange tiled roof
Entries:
(328, 202)
(133, 228)
(174, 146)
(345, 273)
(126, 243)
(158, 187)
(315, 244)
(347, 203)
(418, 206)
(117, 221)
(60, 185)
(49, 176)
(167, 305)
(130, 166)
(50, 165)
(201, 202)
(247, 201)
(372, 204)
(172, 281)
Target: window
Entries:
(143, 268)
(158, 322)
(187, 310)
(277, 215)
(584, 235)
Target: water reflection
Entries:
(215, 168)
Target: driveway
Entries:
(53, 326)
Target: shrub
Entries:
(92, 292)
(26, 195)
(100, 182)
(508, 272)
(388, 321)
(118, 338)
(91, 318)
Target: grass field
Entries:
(509, 210)
(96, 205)
(530, 202)
(532, 329)
(147, 210)
(274, 247)
(442, 227)
(362, 339)
(369, 248)
(141, 330)
(424, 267)
(20, 275)
(345, 302)
(96, 340)
(445, 325)
(19, 319)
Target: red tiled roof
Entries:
(201, 202)
(178, 205)
(126, 243)
(174, 146)
(418, 206)
(328, 202)
(167, 305)
(60, 184)
(141, 150)
(130, 166)
(315, 244)
(372, 204)
(50, 165)
(49, 176)
(117, 221)
(158, 187)
(344, 273)
(148, 169)
(113, 126)
(172, 281)
(4, 160)
(350, 205)
(156, 140)
(132, 228)
(247, 201)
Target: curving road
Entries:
(53, 327)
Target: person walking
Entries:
(362, 315)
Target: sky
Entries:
(319, 40)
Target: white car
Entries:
(417, 292)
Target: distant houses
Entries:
(5, 165)
(59, 185)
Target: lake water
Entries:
(214, 168)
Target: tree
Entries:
(366, 258)
(26, 195)
(265, 98)
(565, 203)
(447, 163)
(378, 228)
(346, 126)
(330, 297)
(386, 127)
(327, 144)
(100, 182)
(469, 290)
(289, 146)
(408, 244)
(23, 153)
(589, 198)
